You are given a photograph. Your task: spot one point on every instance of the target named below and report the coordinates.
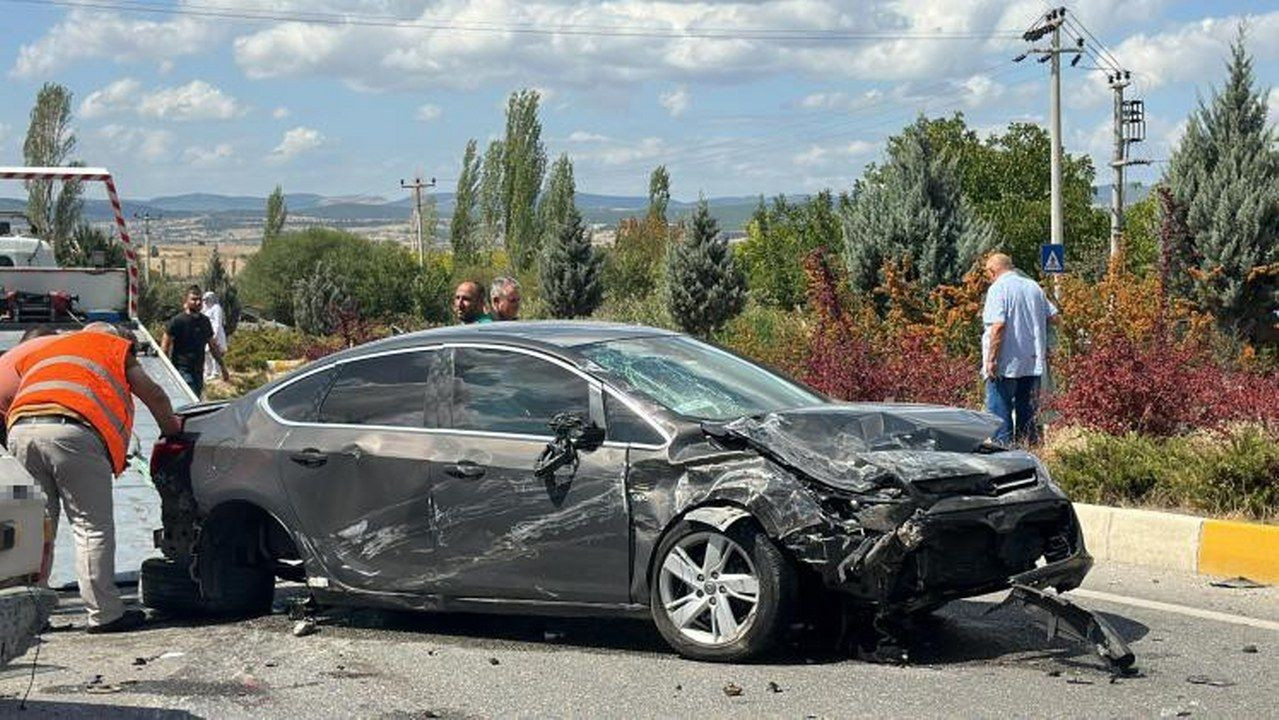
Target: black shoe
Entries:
(130, 620)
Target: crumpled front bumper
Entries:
(936, 556)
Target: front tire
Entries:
(721, 596)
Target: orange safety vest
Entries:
(84, 373)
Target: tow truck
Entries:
(35, 291)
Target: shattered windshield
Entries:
(694, 379)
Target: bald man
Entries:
(1014, 348)
(468, 304)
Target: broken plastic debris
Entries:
(774, 687)
(732, 689)
(1237, 583)
(1205, 680)
(1250, 649)
(494, 661)
(304, 627)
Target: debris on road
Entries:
(1238, 583)
(304, 627)
(774, 687)
(732, 689)
(494, 661)
(1079, 681)
(1206, 680)
(1250, 649)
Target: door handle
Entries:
(309, 457)
(465, 470)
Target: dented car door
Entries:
(359, 473)
(505, 532)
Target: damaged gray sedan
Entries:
(586, 468)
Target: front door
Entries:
(504, 532)
(359, 472)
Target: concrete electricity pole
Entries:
(1051, 25)
(1130, 127)
(416, 186)
(146, 244)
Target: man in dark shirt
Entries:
(185, 340)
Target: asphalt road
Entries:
(1202, 651)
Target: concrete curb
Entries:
(1181, 542)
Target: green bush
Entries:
(1234, 472)
(770, 336)
(249, 350)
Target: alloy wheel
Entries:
(709, 588)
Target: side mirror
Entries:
(572, 433)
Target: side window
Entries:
(625, 426)
(500, 391)
(300, 401)
(393, 390)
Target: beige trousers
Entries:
(71, 464)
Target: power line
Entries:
(1078, 25)
(528, 28)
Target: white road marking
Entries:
(1178, 609)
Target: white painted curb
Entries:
(1141, 537)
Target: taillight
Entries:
(165, 452)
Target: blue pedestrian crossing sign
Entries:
(1052, 258)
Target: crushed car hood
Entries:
(862, 447)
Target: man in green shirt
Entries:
(468, 304)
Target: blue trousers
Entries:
(1013, 401)
(194, 380)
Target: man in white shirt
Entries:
(1014, 348)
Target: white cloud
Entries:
(627, 152)
(208, 157)
(840, 153)
(582, 136)
(373, 58)
(87, 35)
(676, 101)
(428, 112)
(117, 97)
(153, 146)
(299, 140)
(196, 100)
(1195, 51)
(280, 113)
(979, 90)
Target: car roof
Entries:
(544, 334)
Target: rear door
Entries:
(359, 470)
(503, 532)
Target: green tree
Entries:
(464, 230)
(912, 210)
(490, 200)
(49, 143)
(558, 202)
(1141, 234)
(523, 165)
(570, 270)
(276, 213)
(778, 238)
(1225, 173)
(706, 289)
(90, 247)
(218, 280)
(318, 297)
(1006, 180)
(659, 192)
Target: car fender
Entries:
(720, 517)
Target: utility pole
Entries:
(1050, 25)
(1130, 127)
(146, 244)
(416, 186)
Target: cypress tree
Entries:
(912, 209)
(706, 288)
(464, 229)
(1225, 178)
(570, 270)
(557, 202)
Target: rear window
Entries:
(299, 401)
(391, 390)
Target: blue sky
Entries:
(196, 100)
